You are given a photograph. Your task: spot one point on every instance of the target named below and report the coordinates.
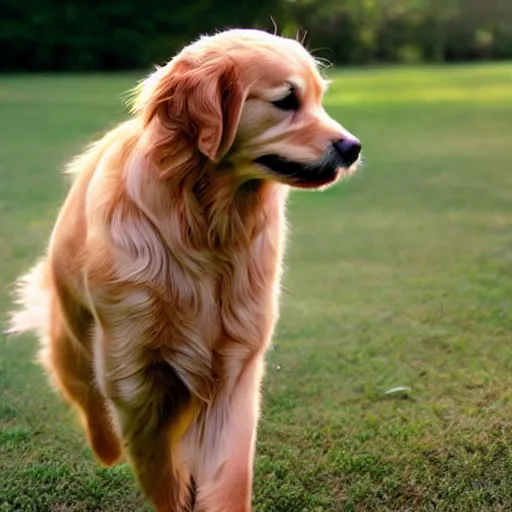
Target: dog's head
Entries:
(249, 102)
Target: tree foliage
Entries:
(94, 35)
(365, 31)
(84, 35)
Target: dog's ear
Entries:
(202, 99)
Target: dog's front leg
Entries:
(224, 466)
(137, 367)
(151, 406)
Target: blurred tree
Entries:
(365, 31)
(87, 35)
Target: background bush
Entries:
(80, 35)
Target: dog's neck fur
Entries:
(235, 210)
(216, 209)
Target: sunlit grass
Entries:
(458, 84)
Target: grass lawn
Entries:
(401, 276)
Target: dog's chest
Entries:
(241, 306)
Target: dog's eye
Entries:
(289, 102)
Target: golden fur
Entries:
(158, 295)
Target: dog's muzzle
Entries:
(340, 156)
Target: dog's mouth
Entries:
(310, 175)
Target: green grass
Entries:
(401, 276)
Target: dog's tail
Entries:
(32, 296)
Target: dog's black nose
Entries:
(349, 149)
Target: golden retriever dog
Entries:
(158, 294)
